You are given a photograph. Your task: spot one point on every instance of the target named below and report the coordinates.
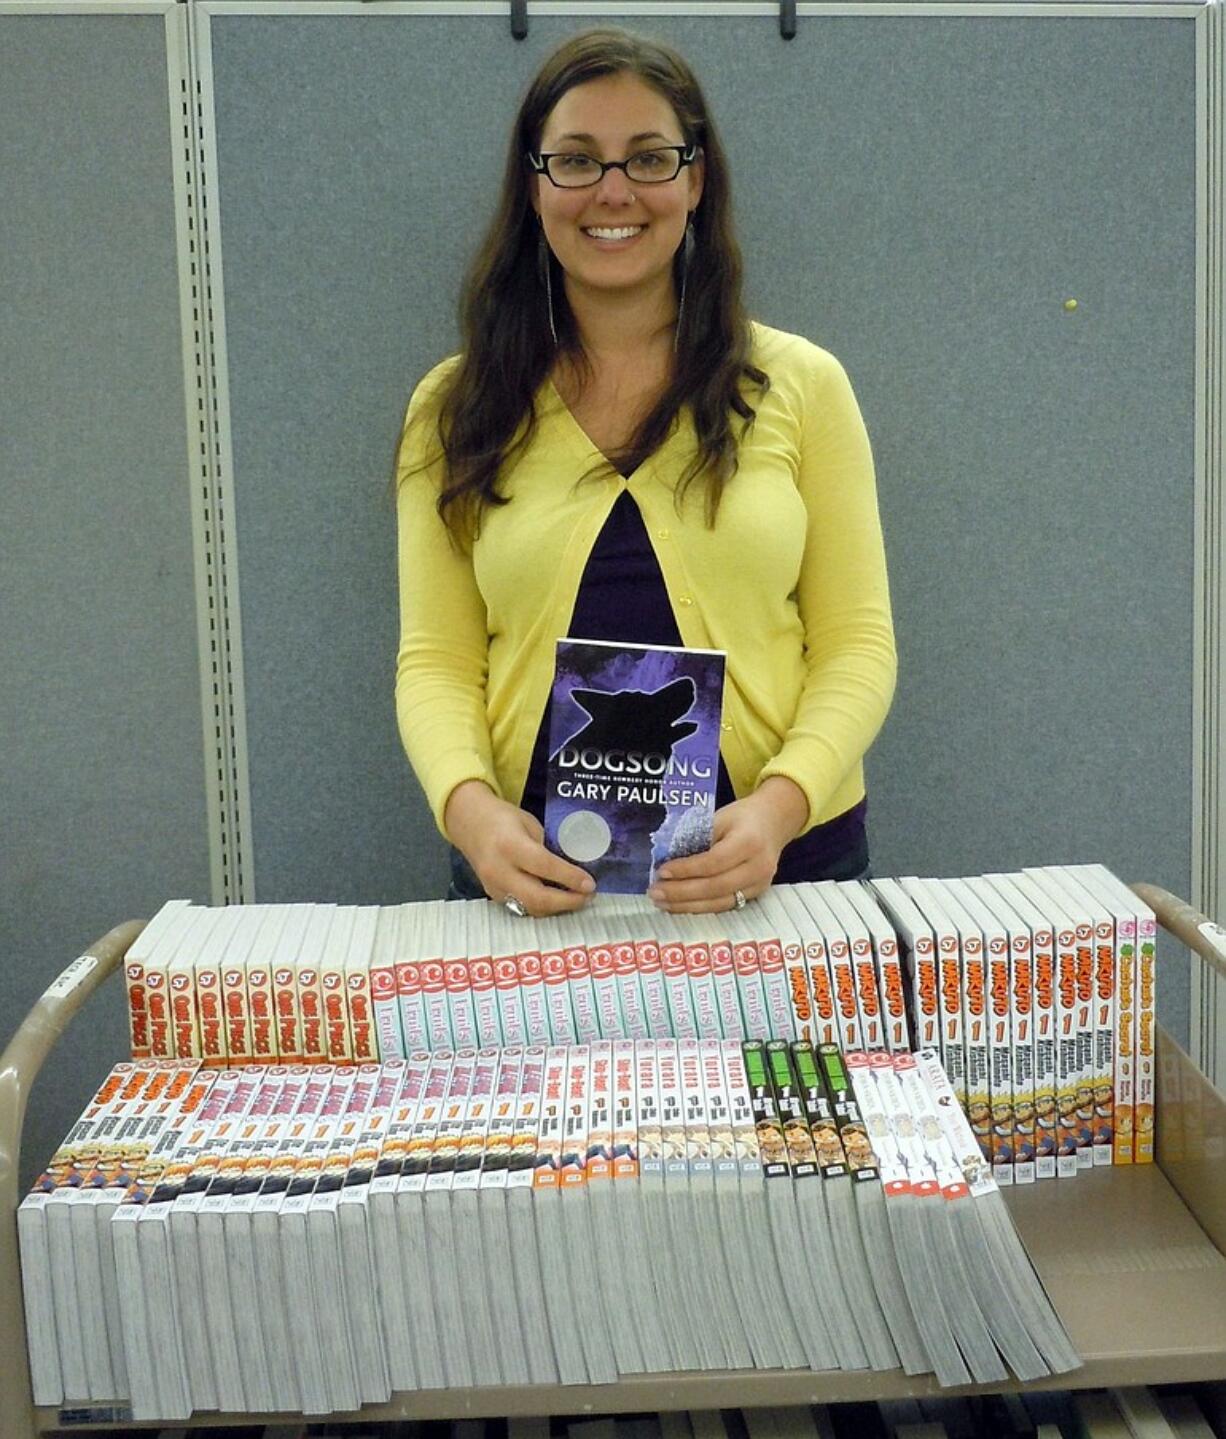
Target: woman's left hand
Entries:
(749, 836)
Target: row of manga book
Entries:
(1036, 988)
(313, 1238)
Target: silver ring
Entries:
(738, 899)
(515, 906)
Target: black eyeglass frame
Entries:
(686, 154)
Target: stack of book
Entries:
(1036, 989)
(312, 1238)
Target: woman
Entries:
(620, 453)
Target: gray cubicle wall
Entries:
(921, 193)
(102, 790)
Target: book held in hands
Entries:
(633, 758)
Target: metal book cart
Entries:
(1134, 1258)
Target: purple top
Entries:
(622, 597)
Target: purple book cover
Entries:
(633, 758)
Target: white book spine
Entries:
(485, 1001)
(749, 987)
(723, 972)
(677, 983)
(582, 994)
(532, 987)
(655, 989)
(460, 1004)
(557, 995)
(629, 990)
(702, 987)
(511, 1018)
(411, 999)
(605, 987)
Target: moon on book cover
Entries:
(584, 835)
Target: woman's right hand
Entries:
(505, 847)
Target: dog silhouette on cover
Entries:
(644, 723)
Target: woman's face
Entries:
(613, 118)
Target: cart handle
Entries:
(38, 1032)
(1187, 924)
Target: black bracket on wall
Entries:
(519, 19)
(787, 19)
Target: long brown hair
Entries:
(508, 349)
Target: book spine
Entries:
(553, 1116)
(1085, 1041)
(532, 988)
(500, 1136)
(311, 1014)
(419, 1154)
(605, 990)
(647, 1087)
(655, 991)
(684, 1021)
(768, 1126)
(528, 1106)
(1104, 1039)
(359, 1000)
(260, 1010)
(889, 971)
(452, 1114)
(1067, 1071)
(184, 1018)
(138, 1006)
(1143, 1135)
(1046, 1042)
(1021, 977)
(410, 996)
(389, 1042)
(485, 1001)
(839, 952)
(557, 996)
(625, 1124)
(740, 1111)
(460, 1006)
(157, 1008)
(438, 1011)
(1126, 1019)
(853, 1135)
(749, 987)
(955, 1126)
(890, 1164)
(630, 991)
(868, 999)
(582, 994)
(285, 1014)
(401, 1120)
(477, 1120)
(1000, 1056)
(694, 1114)
(923, 1108)
(672, 1109)
(702, 988)
(511, 1019)
(797, 973)
(572, 1171)
(775, 986)
(723, 972)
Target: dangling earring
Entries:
(685, 270)
(543, 261)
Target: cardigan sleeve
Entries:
(442, 663)
(842, 595)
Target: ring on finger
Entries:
(515, 906)
(738, 899)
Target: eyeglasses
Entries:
(572, 170)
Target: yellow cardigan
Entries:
(791, 583)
